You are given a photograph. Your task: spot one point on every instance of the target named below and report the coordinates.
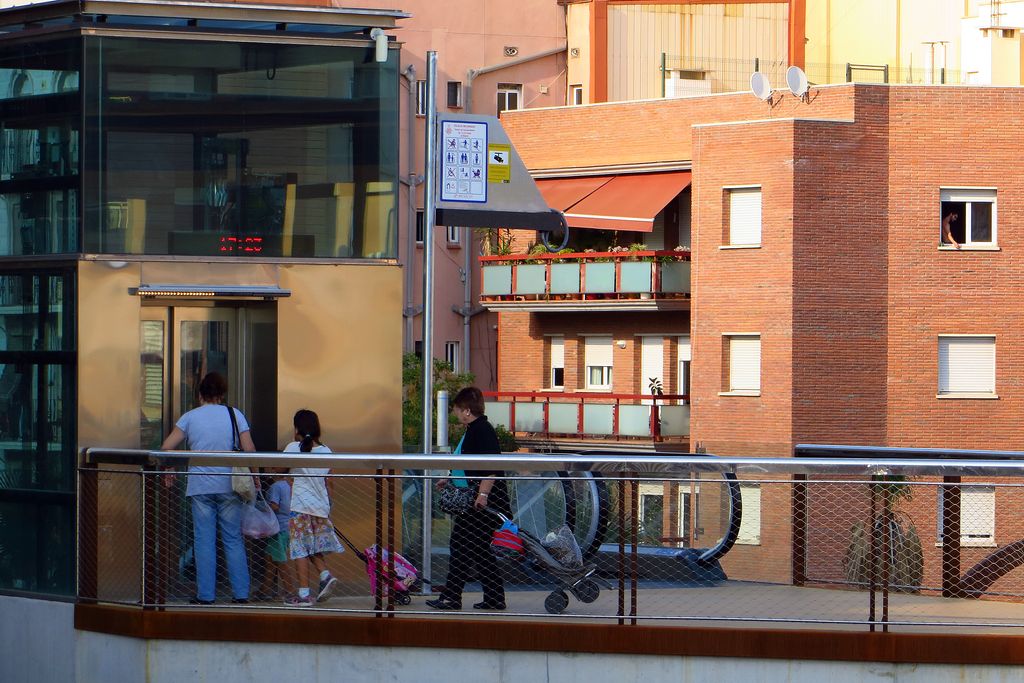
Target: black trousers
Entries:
(470, 548)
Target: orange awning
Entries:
(625, 202)
(562, 193)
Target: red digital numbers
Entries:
(232, 244)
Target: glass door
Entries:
(181, 344)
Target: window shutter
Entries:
(750, 524)
(557, 352)
(967, 364)
(745, 216)
(977, 512)
(745, 363)
(598, 351)
(683, 349)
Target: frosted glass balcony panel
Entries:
(675, 420)
(529, 417)
(497, 280)
(565, 278)
(635, 421)
(563, 418)
(675, 277)
(597, 419)
(498, 413)
(635, 277)
(600, 278)
(530, 279)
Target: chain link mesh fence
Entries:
(828, 549)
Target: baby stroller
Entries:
(401, 581)
(559, 555)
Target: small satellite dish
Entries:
(796, 79)
(760, 86)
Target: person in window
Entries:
(214, 504)
(947, 229)
(472, 531)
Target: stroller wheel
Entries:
(403, 599)
(586, 590)
(556, 602)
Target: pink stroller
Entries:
(401, 581)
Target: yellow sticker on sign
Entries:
(499, 168)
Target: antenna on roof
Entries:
(760, 87)
(796, 79)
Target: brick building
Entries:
(823, 306)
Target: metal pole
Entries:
(442, 422)
(428, 253)
(430, 129)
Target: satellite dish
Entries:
(796, 79)
(760, 86)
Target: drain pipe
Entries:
(410, 311)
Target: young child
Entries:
(311, 533)
(279, 495)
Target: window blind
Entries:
(745, 216)
(598, 351)
(967, 364)
(745, 363)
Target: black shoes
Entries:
(444, 604)
(240, 601)
(197, 601)
(489, 605)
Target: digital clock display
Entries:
(241, 246)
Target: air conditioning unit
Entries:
(687, 83)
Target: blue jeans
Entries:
(211, 511)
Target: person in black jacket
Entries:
(472, 531)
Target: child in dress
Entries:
(279, 496)
(311, 533)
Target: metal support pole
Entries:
(442, 422)
(429, 180)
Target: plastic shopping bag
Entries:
(258, 519)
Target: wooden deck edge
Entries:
(329, 629)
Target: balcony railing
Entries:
(622, 276)
(828, 543)
(658, 417)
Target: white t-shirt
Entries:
(208, 428)
(309, 494)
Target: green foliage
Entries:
(445, 378)
(506, 439)
(495, 241)
(654, 384)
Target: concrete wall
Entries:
(37, 641)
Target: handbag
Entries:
(241, 477)
(259, 520)
(453, 500)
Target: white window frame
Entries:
(501, 97)
(969, 196)
(575, 95)
(453, 355)
(745, 203)
(684, 355)
(966, 366)
(454, 236)
(557, 360)
(750, 521)
(421, 98)
(596, 353)
(744, 354)
(977, 516)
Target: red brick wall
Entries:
(742, 290)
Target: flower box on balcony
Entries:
(599, 278)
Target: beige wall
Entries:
(578, 32)
(339, 347)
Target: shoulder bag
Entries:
(241, 477)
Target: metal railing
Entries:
(878, 543)
(586, 276)
(658, 417)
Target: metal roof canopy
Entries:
(279, 14)
(509, 202)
